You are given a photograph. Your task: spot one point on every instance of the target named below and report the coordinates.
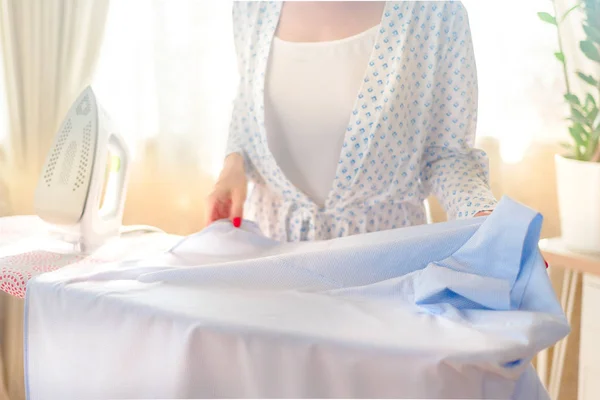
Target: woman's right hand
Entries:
(229, 194)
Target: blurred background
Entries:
(165, 71)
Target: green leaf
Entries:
(589, 49)
(588, 78)
(578, 133)
(560, 57)
(596, 124)
(544, 16)
(578, 141)
(589, 99)
(573, 99)
(592, 33)
(566, 145)
(590, 149)
(578, 117)
(591, 117)
(566, 14)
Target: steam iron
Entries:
(70, 189)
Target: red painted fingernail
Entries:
(546, 262)
(237, 222)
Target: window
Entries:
(520, 81)
(167, 73)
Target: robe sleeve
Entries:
(234, 140)
(451, 169)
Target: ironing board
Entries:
(21, 259)
(454, 310)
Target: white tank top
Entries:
(310, 93)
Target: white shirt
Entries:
(409, 134)
(306, 132)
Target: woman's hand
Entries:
(229, 194)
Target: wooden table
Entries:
(575, 265)
(556, 253)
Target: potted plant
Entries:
(578, 170)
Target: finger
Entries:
(217, 213)
(223, 209)
(483, 214)
(238, 197)
(210, 209)
(214, 209)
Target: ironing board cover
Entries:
(21, 260)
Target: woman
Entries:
(348, 115)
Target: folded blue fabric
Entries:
(492, 269)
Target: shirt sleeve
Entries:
(452, 170)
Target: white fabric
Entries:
(26, 250)
(454, 310)
(305, 132)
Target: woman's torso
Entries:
(375, 183)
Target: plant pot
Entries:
(578, 186)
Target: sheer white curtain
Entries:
(168, 73)
(167, 76)
(520, 81)
(3, 212)
(4, 203)
(3, 105)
